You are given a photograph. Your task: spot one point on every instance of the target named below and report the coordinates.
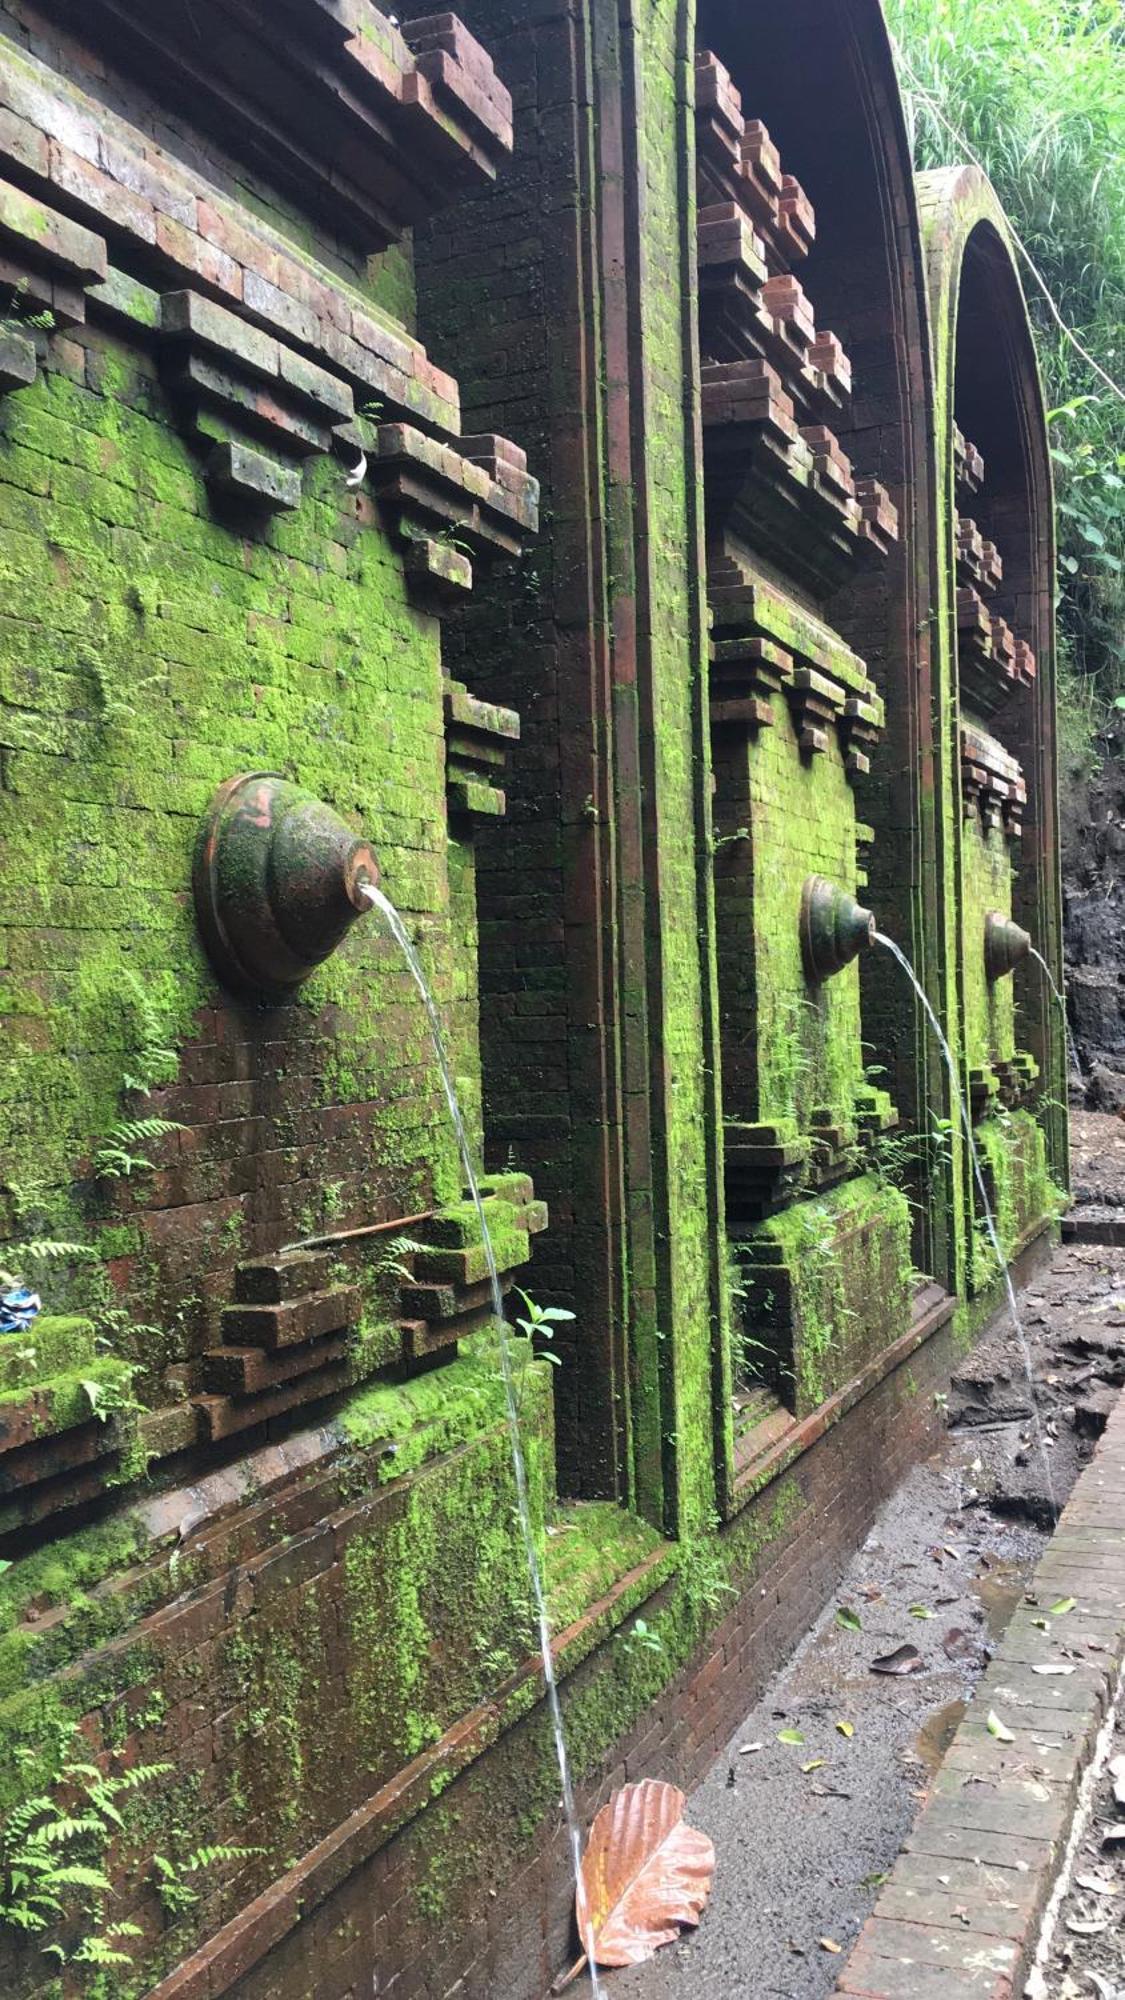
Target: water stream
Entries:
(986, 1207)
(402, 938)
(1061, 998)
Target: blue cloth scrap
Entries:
(19, 1310)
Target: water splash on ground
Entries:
(402, 938)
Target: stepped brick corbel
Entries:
(370, 123)
(764, 643)
(449, 1296)
(477, 738)
(992, 661)
(978, 560)
(453, 503)
(297, 1331)
(268, 353)
(968, 465)
(992, 784)
(47, 265)
(738, 161)
(241, 388)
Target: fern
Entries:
(42, 1250)
(115, 1159)
(53, 1856)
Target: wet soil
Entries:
(1097, 1140)
(804, 1832)
(1087, 1960)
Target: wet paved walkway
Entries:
(805, 1833)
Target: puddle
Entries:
(999, 1592)
(935, 1737)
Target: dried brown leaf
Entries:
(645, 1875)
(904, 1660)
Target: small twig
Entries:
(565, 1979)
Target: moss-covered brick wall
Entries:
(247, 523)
(990, 1014)
(993, 469)
(150, 650)
(792, 1048)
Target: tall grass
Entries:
(1037, 87)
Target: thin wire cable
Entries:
(933, 106)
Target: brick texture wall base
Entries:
(473, 1895)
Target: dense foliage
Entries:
(1037, 88)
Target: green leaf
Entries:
(1063, 1604)
(814, 1764)
(846, 1728)
(998, 1729)
(849, 1619)
(789, 1736)
(921, 1611)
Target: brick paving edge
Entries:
(960, 1913)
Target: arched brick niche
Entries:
(817, 418)
(995, 593)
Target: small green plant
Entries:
(19, 311)
(42, 1250)
(53, 1852)
(110, 1399)
(641, 1638)
(115, 1158)
(394, 1260)
(540, 1323)
(537, 1324)
(173, 1884)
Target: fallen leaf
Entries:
(959, 1644)
(1052, 1669)
(817, 1764)
(789, 1736)
(644, 1873)
(1062, 1606)
(1099, 1885)
(1117, 1773)
(1087, 1926)
(904, 1660)
(920, 1611)
(846, 1728)
(996, 1728)
(1041, 1624)
(849, 1619)
(829, 1944)
(748, 1749)
(1102, 1986)
(1115, 1834)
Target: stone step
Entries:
(225, 1416)
(294, 1321)
(272, 1281)
(246, 1371)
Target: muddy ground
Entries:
(805, 1831)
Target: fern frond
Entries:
(58, 1830)
(139, 1131)
(211, 1857)
(75, 1875)
(46, 1250)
